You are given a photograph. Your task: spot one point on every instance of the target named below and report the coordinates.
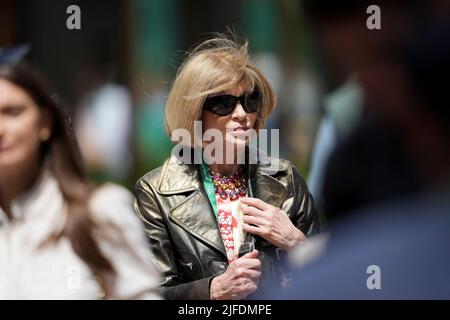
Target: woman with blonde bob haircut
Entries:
(220, 230)
(217, 65)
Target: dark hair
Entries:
(61, 155)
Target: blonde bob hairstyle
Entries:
(216, 66)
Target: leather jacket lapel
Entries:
(270, 190)
(264, 185)
(195, 215)
(191, 210)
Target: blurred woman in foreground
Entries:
(60, 238)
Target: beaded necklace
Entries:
(231, 187)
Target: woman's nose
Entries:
(238, 112)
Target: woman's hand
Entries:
(239, 280)
(270, 223)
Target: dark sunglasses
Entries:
(224, 105)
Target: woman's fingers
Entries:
(256, 230)
(248, 264)
(251, 255)
(252, 211)
(253, 220)
(257, 203)
(248, 273)
(254, 274)
(249, 260)
(244, 274)
(244, 290)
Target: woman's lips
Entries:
(239, 132)
(4, 148)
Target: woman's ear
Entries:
(47, 125)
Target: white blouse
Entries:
(28, 271)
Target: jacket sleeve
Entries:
(305, 216)
(149, 212)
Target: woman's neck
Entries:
(15, 183)
(224, 169)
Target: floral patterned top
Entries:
(229, 217)
(227, 194)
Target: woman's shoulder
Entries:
(274, 166)
(172, 171)
(111, 192)
(277, 167)
(113, 203)
(151, 178)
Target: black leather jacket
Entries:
(184, 234)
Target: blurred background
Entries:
(115, 73)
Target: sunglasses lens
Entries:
(253, 101)
(224, 105)
(220, 105)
